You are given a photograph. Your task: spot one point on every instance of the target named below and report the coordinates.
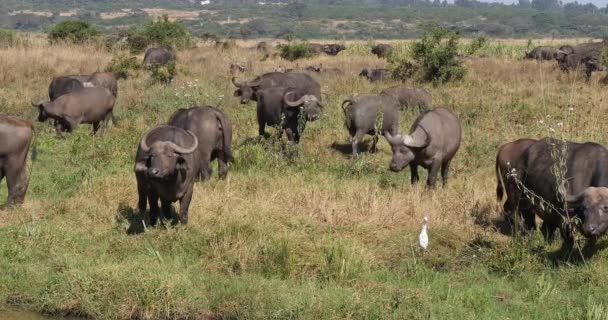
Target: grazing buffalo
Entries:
(304, 84)
(63, 85)
(158, 56)
(583, 182)
(542, 53)
(374, 75)
(166, 166)
(382, 50)
(508, 158)
(16, 136)
(286, 108)
(214, 133)
(333, 49)
(410, 97)
(88, 105)
(362, 116)
(433, 141)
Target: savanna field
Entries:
(296, 231)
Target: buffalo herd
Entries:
(171, 157)
(586, 57)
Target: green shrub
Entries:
(76, 31)
(295, 51)
(163, 73)
(162, 32)
(476, 45)
(8, 38)
(435, 58)
(121, 65)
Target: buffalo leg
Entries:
(184, 205)
(432, 178)
(17, 181)
(374, 148)
(143, 195)
(59, 128)
(153, 200)
(444, 172)
(548, 230)
(96, 126)
(166, 208)
(222, 164)
(262, 128)
(356, 139)
(414, 173)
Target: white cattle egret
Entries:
(423, 238)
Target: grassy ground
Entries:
(299, 232)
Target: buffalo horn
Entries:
(182, 150)
(296, 103)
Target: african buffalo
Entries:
(541, 53)
(214, 133)
(508, 158)
(304, 84)
(158, 56)
(433, 141)
(287, 108)
(410, 97)
(16, 136)
(583, 182)
(382, 50)
(567, 49)
(89, 105)
(318, 68)
(166, 166)
(575, 61)
(63, 85)
(362, 116)
(333, 49)
(66, 84)
(374, 75)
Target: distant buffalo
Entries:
(364, 113)
(158, 56)
(89, 105)
(16, 136)
(542, 53)
(374, 75)
(410, 97)
(304, 83)
(382, 50)
(433, 141)
(333, 49)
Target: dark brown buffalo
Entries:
(583, 186)
(333, 49)
(433, 141)
(410, 97)
(288, 109)
(508, 159)
(62, 85)
(542, 53)
(577, 61)
(382, 50)
(15, 136)
(158, 56)
(166, 166)
(374, 75)
(303, 83)
(88, 105)
(214, 133)
(362, 116)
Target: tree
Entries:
(76, 31)
(545, 4)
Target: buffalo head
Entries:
(309, 104)
(165, 158)
(43, 115)
(592, 203)
(404, 147)
(246, 90)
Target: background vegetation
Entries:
(300, 232)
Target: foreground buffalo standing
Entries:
(410, 97)
(585, 177)
(362, 116)
(166, 166)
(158, 56)
(303, 83)
(88, 105)
(508, 158)
(16, 136)
(214, 133)
(433, 141)
(287, 108)
(542, 53)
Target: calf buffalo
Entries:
(158, 56)
(16, 136)
(362, 116)
(433, 141)
(410, 97)
(166, 166)
(214, 133)
(304, 84)
(374, 75)
(508, 158)
(88, 105)
(287, 108)
(583, 186)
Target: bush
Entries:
(476, 45)
(162, 32)
(163, 73)
(435, 58)
(122, 64)
(295, 51)
(76, 31)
